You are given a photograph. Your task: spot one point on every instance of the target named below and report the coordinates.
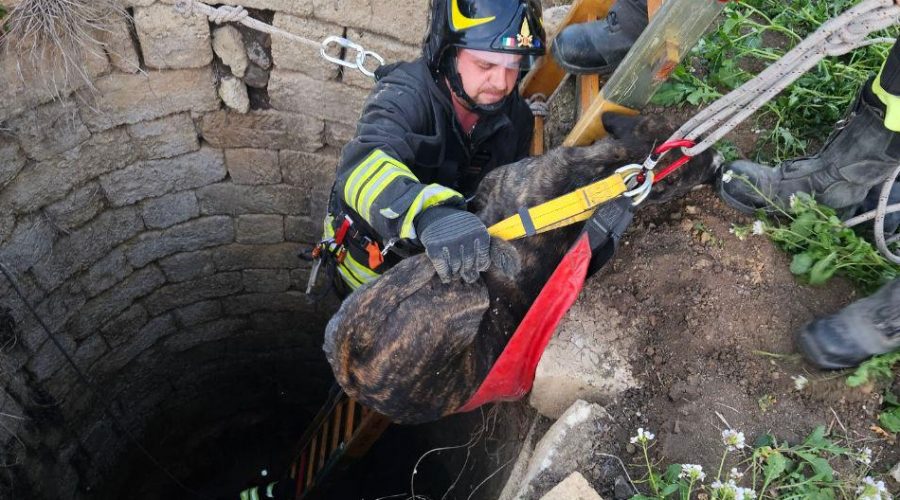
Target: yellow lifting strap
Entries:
(559, 212)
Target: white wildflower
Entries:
(692, 472)
(864, 456)
(792, 202)
(871, 489)
(735, 474)
(759, 227)
(642, 437)
(734, 440)
(728, 176)
(800, 382)
(744, 494)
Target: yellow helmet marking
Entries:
(461, 22)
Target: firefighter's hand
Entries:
(456, 241)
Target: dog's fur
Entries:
(415, 349)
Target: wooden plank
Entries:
(370, 429)
(546, 76)
(537, 140)
(351, 415)
(301, 475)
(590, 128)
(310, 471)
(336, 424)
(588, 88)
(323, 449)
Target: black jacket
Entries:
(409, 154)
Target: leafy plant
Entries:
(881, 368)
(821, 245)
(752, 34)
(768, 469)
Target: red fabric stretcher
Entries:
(512, 375)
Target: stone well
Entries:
(153, 219)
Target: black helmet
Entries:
(508, 26)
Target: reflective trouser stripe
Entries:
(270, 490)
(891, 103)
(245, 495)
(370, 178)
(354, 273)
(433, 194)
(254, 494)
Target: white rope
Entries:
(835, 37)
(879, 215)
(238, 14)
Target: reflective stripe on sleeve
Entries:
(370, 178)
(433, 194)
(891, 103)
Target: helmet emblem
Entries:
(461, 22)
(524, 38)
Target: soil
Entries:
(716, 317)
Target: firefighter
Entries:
(429, 132)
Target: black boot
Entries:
(865, 328)
(599, 46)
(857, 157)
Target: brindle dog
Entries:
(415, 349)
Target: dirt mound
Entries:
(715, 317)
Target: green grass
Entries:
(755, 33)
(769, 469)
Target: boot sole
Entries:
(733, 202)
(579, 70)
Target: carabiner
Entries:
(361, 58)
(639, 189)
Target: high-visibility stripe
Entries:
(254, 494)
(384, 180)
(558, 212)
(245, 495)
(433, 194)
(270, 490)
(891, 103)
(354, 273)
(370, 178)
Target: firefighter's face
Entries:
(488, 77)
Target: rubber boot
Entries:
(865, 328)
(599, 46)
(856, 158)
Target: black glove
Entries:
(456, 241)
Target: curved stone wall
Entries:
(154, 219)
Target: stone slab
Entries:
(125, 98)
(233, 93)
(165, 137)
(49, 129)
(238, 257)
(587, 359)
(199, 313)
(183, 294)
(253, 166)
(77, 208)
(566, 447)
(266, 280)
(268, 129)
(294, 91)
(40, 184)
(80, 249)
(574, 487)
(188, 266)
(405, 21)
(120, 46)
(120, 329)
(115, 301)
(259, 229)
(170, 40)
(108, 271)
(293, 56)
(228, 44)
(158, 177)
(190, 236)
(12, 158)
(231, 199)
(171, 209)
